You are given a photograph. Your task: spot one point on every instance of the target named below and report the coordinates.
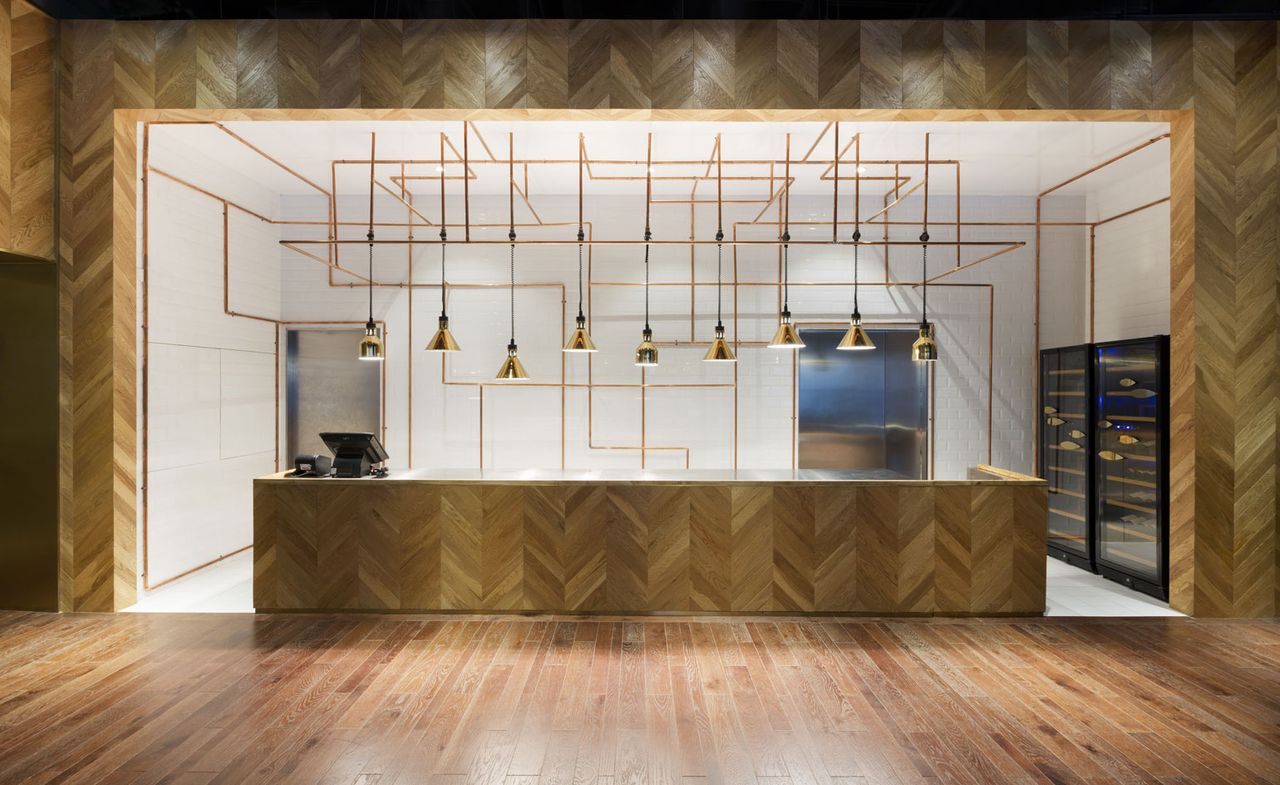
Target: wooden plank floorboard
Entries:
(497, 700)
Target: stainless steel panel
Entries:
(328, 389)
(862, 410)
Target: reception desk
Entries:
(646, 542)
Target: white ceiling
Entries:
(997, 158)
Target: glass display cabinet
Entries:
(1130, 463)
(1065, 446)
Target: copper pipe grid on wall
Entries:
(414, 217)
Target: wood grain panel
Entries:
(630, 65)
(298, 74)
(463, 64)
(134, 64)
(381, 64)
(964, 63)
(1172, 75)
(1257, 185)
(1130, 65)
(1089, 64)
(548, 63)
(460, 520)
(423, 63)
(1005, 65)
(506, 81)
(922, 58)
(1048, 86)
(881, 65)
(256, 63)
(710, 545)
(420, 555)
(673, 80)
(215, 64)
(797, 63)
(28, 174)
(839, 64)
(340, 63)
(714, 56)
(888, 548)
(175, 76)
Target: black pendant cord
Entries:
(648, 235)
(511, 229)
(924, 240)
(443, 302)
(373, 146)
(857, 219)
(786, 236)
(581, 236)
(719, 235)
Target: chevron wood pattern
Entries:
(959, 548)
(1219, 70)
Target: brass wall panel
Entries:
(1224, 458)
(29, 422)
(782, 547)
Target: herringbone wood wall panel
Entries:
(1226, 552)
(624, 547)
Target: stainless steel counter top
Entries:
(668, 476)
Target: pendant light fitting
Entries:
(647, 351)
(925, 348)
(719, 351)
(786, 336)
(855, 338)
(580, 338)
(371, 342)
(512, 370)
(443, 340)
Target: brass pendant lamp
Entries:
(647, 351)
(925, 349)
(371, 342)
(443, 340)
(512, 370)
(720, 351)
(855, 338)
(786, 336)
(580, 338)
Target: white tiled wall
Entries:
(522, 427)
(212, 377)
(1131, 262)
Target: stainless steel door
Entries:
(328, 388)
(865, 409)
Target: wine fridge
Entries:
(1066, 444)
(1130, 463)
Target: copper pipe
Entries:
(814, 146)
(196, 568)
(1128, 213)
(572, 241)
(408, 200)
(1093, 230)
(402, 200)
(146, 349)
(979, 260)
(270, 158)
(1105, 163)
(958, 216)
(466, 182)
(495, 161)
(835, 188)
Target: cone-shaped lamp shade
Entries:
(720, 351)
(580, 339)
(855, 338)
(443, 340)
(512, 369)
(787, 337)
(370, 344)
(925, 349)
(647, 352)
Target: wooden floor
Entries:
(520, 701)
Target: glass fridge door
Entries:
(1130, 455)
(1064, 453)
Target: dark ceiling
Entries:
(658, 9)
